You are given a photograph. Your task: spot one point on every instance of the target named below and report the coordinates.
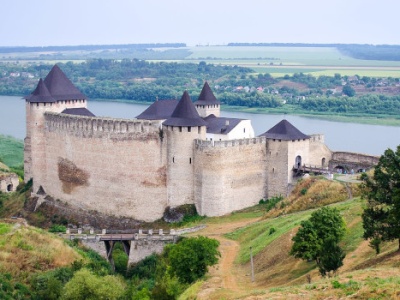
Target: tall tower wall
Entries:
(180, 162)
(34, 148)
(229, 175)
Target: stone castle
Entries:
(174, 153)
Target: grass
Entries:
(11, 151)
(26, 250)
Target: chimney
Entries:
(227, 123)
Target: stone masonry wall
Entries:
(320, 154)
(180, 162)
(229, 175)
(277, 167)
(114, 166)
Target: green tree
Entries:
(190, 259)
(318, 237)
(348, 90)
(381, 217)
(88, 286)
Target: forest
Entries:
(144, 81)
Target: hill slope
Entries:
(364, 274)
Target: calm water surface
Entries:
(371, 139)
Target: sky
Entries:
(206, 22)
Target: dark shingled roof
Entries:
(159, 110)
(41, 94)
(207, 96)
(284, 131)
(218, 125)
(58, 86)
(185, 114)
(80, 111)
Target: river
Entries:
(362, 138)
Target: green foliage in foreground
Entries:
(191, 258)
(85, 285)
(11, 151)
(10, 290)
(318, 238)
(381, 217)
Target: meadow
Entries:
(279, 61)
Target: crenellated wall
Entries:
(229, 175)
(114, 166)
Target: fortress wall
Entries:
(355, 158)
(320, 154)
(114, 166)
(229, 175)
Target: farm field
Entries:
(279, 61)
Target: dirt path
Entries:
(224, 275)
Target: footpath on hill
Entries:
(224, 276)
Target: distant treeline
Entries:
(139, 80)
(358, 51)
(90, 47)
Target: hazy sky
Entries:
(83, 22)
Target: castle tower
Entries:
(181, 129)
(207, 103)
(287, 147)
(53, 94)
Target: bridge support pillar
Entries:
(109, 249)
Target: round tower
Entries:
(181, 129)
(53, 94)
(207, 104)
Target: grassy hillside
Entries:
(278, 275)
(26, 250)
(11, 151)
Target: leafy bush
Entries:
(58, 228)
(190, 259)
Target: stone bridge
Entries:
(347, 161)
(138, 244)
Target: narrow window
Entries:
(199, 129)
(180, 128)
(244, 129)
(190, 160)
(173, 159)
(189, 129)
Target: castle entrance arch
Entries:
(323, 161)
(298, 161)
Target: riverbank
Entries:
(384, 120)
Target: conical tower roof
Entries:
(207, 96)
(185, 114)
(41, 94)
(159, 110)
(284, 130)
(60, 87)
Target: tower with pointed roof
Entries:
(287, 148)
(53, 94)
(180, 130)
(207, 104)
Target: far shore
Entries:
(384, 120)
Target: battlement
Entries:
(202, 144)
(84, 126)
(318, 137)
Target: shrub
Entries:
(57, 228)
